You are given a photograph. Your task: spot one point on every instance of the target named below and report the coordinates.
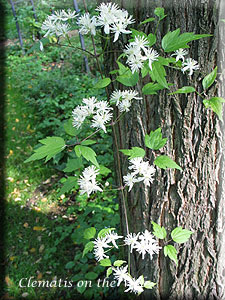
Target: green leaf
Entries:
(137, 33)
(151, 88)
(119, 263)
(81, 288)
(69, 129)
(89, 233)
(215, 103)
(70, 265)
(149, 284)
(152, 39)
(36, 46)
(145, 69)
(73, 164)
(104, 171)
(88, 153)
(180, 235)
(209, 79)
(173, 40)
(91, 275)
(158, 74)
(88, 248)
(88, 142)
(104, 231)
(68, 185)
(171, 251)
(159, 12)
(164, 162)
(154, 140)
(105, 262)
(184, 90)
(159, 232)
(128, 79)
(52, 146)
(108, 272)
(102, 83)
(147, 20)
(133, 152)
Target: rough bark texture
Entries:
(194, 198)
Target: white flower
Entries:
(62, 29)
(100, 119)
(117, 28)
(135, 285)
(131, 50)
(130, 95)
(116, 97)
(150, 55)
(103, 107)
(131, 240)
(180, 53)
(129, 180)
(140, 42)
(113, 19)
(108, 8)
(112, 237)
(121, 274)
(87, 24)
(138, 165)
(54, 28)
(107, 15)
(88, 182)
(124, 105)
(147, 175)
(63, 15)
(99, 244)
(123, 99)
(147, 244)
(135, 62)
(90, 172)
(90, 104)
(79, 114)
(49, 26)
(99, 254)
(190, 64)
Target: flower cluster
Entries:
(123, 99)
(141, 171)
(113, 19)
(87, 24)
(138, 52)
(87, 181)
(99, 110)
(103, 242)
(134, 285)
(110, 17)
(188, 64)
(54, 24)
(142, 243)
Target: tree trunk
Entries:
(193, 198)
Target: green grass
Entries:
(44, 232)
(28, 206)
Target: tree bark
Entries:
(193, 198)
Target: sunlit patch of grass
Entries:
(31, 213)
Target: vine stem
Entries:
(116, 144)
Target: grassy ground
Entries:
(32, 211)
(44, 232)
